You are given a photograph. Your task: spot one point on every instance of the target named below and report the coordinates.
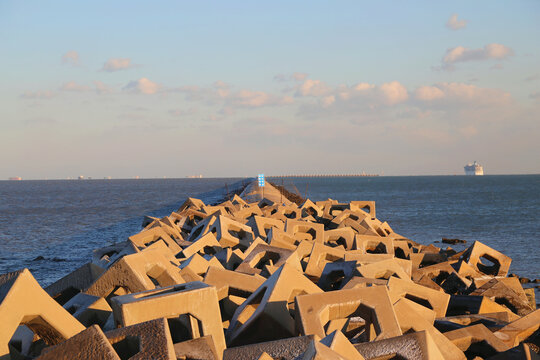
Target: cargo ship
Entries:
(16, 178)
(474, 169)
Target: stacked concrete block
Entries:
(264, 278)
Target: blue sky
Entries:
(236, 88)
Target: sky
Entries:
(236, 88)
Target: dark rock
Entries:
(39, 258)
(453, 241)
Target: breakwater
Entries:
(325, 279)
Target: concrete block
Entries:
(314, 311)
(205, 245)
(202, 228)
(410, 320)
(232, 233)
(303, 230)
(279, 238)
(309, 208)
(147, 340)
(147, 237)
(24, 302)
(493, 321)
(70, 285)
(180, 304)
(476, 340)
(429, 298)
(246, 212)
(500, 293)
(362, 282)
(337, 342)
(106, 256)
(336, 274)
(340, 237)
(201, 349)
(265, 260)
(520, 329)
(319, 257)
(187, 219)
(261, 225)
(384, 269)
(318, 351)
(366, 206)
(284, 349)
(191, 203)
(463, 305)
(267, 313)
(89, 344)
(199, 265)
(416, 346)
(135, 273)
(495, 263)
(88, 309)
(229, 282)
(229, 258)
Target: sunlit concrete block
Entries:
(237, 200)
(500, 263)
(168, 226)
(309, 208)
(337, 342)
(106, 256)
(70, 285)
(370, 244)
(465, 337)
(147, 340)
(362, 228)
(232, 283)
(497, 291)
(362, 282)
(402, 249)
(373, 304)
(134, 273)
(201, 349)
(304, 230)
(336, 274)
(319, 257)
(493, 321)
(357, 216)
(187, 219)
(205, 245)
(520, 329)
(416, 346)
(340, 237)
(384, 270)
(230, 233)
(409, 320)
(279, 238)
(191, 203)
(463, 305)
(285, 349)
(246, 212)
(267, 313)
(89, 344)
(265, 260)
(319, 351)
(200, 265)
(367, 206)
(229, 258)
(444, 275)
(202, 228)
(161, 247)
(89, 309)
(24, 302)
(262, 225)
(147, 237)
(180, 302)
(432, 299)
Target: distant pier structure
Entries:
(363, 174)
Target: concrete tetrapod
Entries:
(24, 302)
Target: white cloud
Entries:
(451, 93)
(116, 64)
(46, 94)
(428, 93)
(101, 88)
(247, 98)
(490, 51)
(142, 86)
(71, 57)
(73, 86)
(312, 88)
(393, 92)
(455, 24)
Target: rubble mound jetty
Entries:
(260, 277)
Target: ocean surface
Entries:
(64, 220)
